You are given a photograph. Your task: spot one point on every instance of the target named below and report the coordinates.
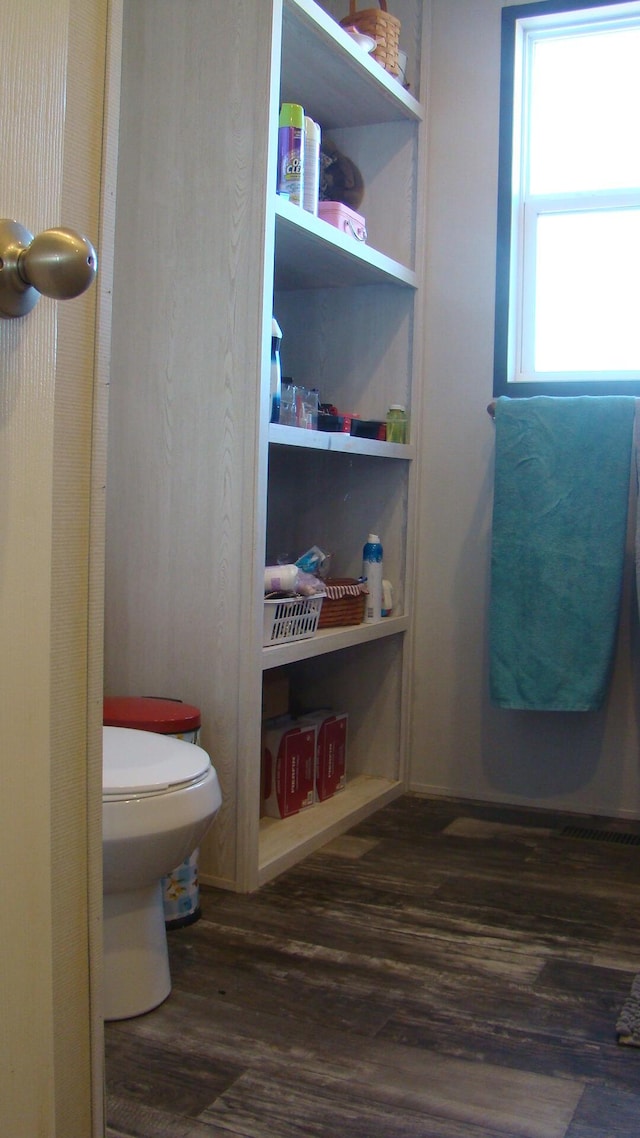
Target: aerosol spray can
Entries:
(372, 570)
(311, 165)
(291, 152)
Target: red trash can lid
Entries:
(146, 713)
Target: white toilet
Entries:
(159, 797)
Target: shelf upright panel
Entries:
(347, 92)
(337, 82)
(310, 253)
(283, 842)
(331, 640)
(281, 435)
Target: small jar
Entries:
(397, 424)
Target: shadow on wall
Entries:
(543, 755)
(587, 762)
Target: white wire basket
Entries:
(290, 618)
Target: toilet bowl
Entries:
(159, 797)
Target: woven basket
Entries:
(382, 27)
(347, 604)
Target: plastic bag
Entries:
(315, 561)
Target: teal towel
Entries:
(559, 524)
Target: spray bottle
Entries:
(372, 570)
(311, 165)
(291, 152)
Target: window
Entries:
(568, 261)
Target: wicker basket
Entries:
(344, 602)
(382, 27)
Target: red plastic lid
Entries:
(145, 713)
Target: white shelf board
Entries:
(335, 441)
(310, 253)
(283, 842)
(331, 640)
(337, 82)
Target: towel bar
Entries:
(491, 409)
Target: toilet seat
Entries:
(160, 796)
(141, 764)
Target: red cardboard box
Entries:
(331, 751)
(288, 767)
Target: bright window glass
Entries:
(586, 299)
(584, 130)
(568, 279)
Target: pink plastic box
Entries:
(344, 219)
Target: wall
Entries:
(461, 745)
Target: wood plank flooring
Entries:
(445, 970)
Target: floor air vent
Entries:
(588, 834)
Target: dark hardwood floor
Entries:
(445, 970)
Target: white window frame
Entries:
(519, 211)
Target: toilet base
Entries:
(136, 961)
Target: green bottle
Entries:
(397, 424)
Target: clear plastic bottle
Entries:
(372, 571)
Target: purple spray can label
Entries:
(291, 152)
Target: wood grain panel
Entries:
(79, 470)
(193, 296)
(188, 346)
(50, 175)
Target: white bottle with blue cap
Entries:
(372, 571)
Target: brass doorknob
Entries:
(58, 263)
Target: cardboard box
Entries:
(275, 693)
(331, 750)
(288, 767)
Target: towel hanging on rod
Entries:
(560, 508)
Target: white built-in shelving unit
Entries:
(202, 489)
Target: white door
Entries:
(53, 58)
